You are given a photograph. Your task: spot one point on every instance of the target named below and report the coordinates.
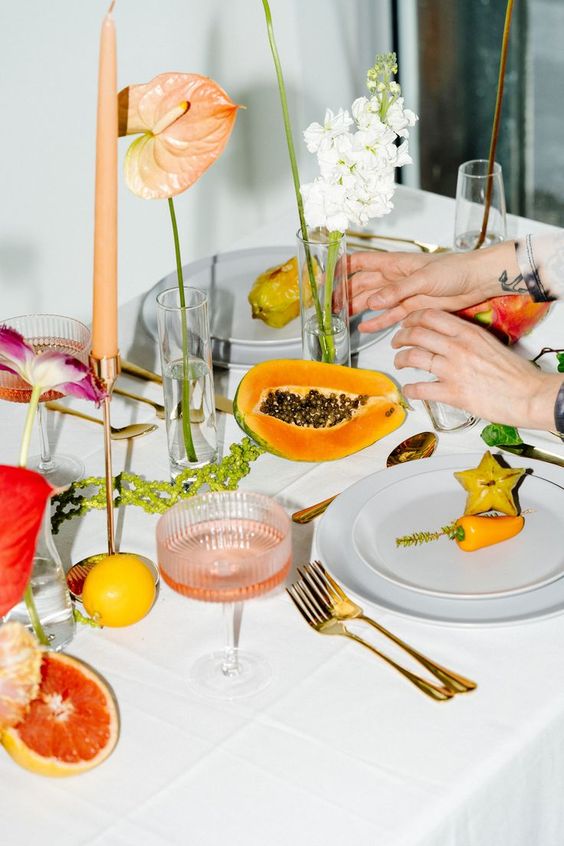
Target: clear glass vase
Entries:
(477, 186)
(49, 590)
(185, 350)
(324, 300)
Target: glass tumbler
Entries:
(444, 417)
(186, 366)
(475, 189)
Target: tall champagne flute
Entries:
(225, 547)
(47, 332)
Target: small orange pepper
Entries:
(473, 532)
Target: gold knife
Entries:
(530, 451)
(222, 403)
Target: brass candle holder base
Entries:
(106, 370)
(78, 572)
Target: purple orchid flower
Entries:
(50, 369)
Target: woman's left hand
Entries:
(474, 371)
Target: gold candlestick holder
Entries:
(106, 370)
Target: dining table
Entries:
(339, 748)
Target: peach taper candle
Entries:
(104, 318)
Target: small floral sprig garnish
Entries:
(156, 497)
(452, 531)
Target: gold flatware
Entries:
(140, 372)
(424, 246)
(159, 409)
(330, 593)
(318, 615)
(118, 433)
(421, 445)
(222, 403)
(357, 247)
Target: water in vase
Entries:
(202, 414)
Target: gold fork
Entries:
(317, 614)
(343, 608)
(424, 246)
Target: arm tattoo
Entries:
(516, 286)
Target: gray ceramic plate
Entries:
(237, 339)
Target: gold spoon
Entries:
(159, 409)
(118, 433)
(423, 245)
(421, 445)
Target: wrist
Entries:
(546, 402)
(496, 272)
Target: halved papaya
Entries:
(309, 411)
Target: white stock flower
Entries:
(399, 118)
(358, 156)
(319, 137)
(323, 205)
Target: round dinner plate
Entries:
(238, 339)
(508, 583)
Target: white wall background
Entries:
(48, 85)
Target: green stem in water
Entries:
(186, 429)
(496, 121)
(295, 175)
(24, 452)
(38, 629)
(332, 255)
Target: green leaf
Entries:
(560, 359)
(496, 434)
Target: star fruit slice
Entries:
(490, 487)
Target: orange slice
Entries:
(71, 726)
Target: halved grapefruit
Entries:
(71, 726)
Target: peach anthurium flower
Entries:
(185, 120)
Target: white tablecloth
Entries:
(339, 748)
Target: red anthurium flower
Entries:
(186, 120)
(49, 369)
(23, 495)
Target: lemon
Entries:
(119, 590)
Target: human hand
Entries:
(474, 371)
(401, 283)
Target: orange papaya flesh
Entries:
(480, 531)
(310, 411)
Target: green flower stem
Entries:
(28, 425)
(186, 428)
(38, 629)
(295, 175)
(332, 255)
(24, 452)
(496, 121)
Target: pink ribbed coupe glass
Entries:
(226, 547)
